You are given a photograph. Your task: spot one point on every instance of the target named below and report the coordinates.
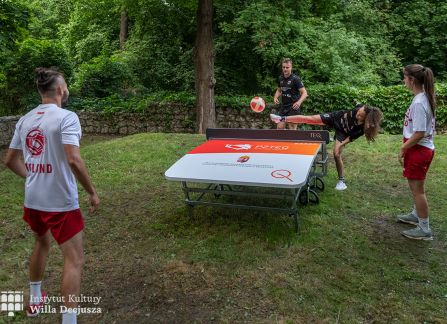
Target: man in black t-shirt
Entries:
(292, 93)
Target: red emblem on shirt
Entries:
(35, 141)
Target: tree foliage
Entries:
(419, 29)
(14, 19)
(351, 43)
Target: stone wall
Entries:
(168, 119)
(7, 126)
(172, 118)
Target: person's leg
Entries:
(417, 161)
(292, 126)
(281, 125)
(338, 149)
(423, 231)
(73, 253)
(37, 264)
(417, 188)
(39, 256)
(302, 119)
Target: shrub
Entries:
(20, 87)
(103, 76)
(393, 101)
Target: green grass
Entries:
(151, 263)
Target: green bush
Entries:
(103, 76)
(19, 86)
(393, 101)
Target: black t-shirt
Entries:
(290, 89)
(345, 123)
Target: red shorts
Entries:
(63, 225)
(417, 160)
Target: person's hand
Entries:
(276, 118)
(401, 155)
(276, 101)
(296, 105)
(94, 203)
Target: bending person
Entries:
(348, 125)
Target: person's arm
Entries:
(412, 141)
(14, 163)
(77, 165)
(297, 104)
(277, 95)
(356, 133)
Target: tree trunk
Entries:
(124, 27)
(204, 67)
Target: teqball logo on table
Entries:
(35, 141)
(238, 146)
(243, 158)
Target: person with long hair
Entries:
(418, 149)
(348, 125)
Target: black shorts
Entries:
(332, 120)
(289, 111)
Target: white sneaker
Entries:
(275, 118)
(341, 185)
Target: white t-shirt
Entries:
(419, 118)
(40, 134)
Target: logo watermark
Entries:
(11, 301)
(44, 305)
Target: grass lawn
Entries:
(150, 263)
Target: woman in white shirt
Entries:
(417, 150)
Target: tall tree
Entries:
(204, 67)
(124, 27)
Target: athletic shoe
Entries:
(418, 233)
(341, 185)
(32, 310)
(409, 218)
(276, 119)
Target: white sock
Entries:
(424, 224)
(35, 295)
(414, 212)
(69, 317)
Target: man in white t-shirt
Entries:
(48, 139)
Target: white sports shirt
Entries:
(40, 134)
(420, 118)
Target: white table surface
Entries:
(247, 162)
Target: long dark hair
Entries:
(423, 76)
(373, 120)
